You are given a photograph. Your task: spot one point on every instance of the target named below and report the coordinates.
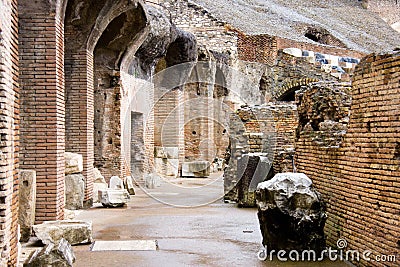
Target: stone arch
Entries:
(122, 37)
(287, 90)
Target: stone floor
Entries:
(216, 234)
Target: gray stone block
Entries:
(27, 203)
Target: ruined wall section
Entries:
(359, 179)
(264, 48)
(209, 31)
(9, 142)
(268, 129)
(41, 48)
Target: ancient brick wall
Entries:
(209, 31)
(41, 39)
(79, 115)
(264, 48)
(9, 142)
(269, 128)
(359, 179)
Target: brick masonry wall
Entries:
(79, 115)
(359, 180)
(264, 48)
(9, 143)
(41, 40)
(269, 128)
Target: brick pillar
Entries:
(41, 40)
(80, 112)
(9, 120)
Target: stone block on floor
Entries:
(113, 197)
(73, 163)
(196, 169)
(27, 203)
(75, 232)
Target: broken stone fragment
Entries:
(252, 169)
(291, 213)
(116, 183)
(167, 167)
(75, 232)
(129, 185)
(152, 181)
(113, 197)
(52, 255)
(98, 177)
(74, 191)
(27, 202)
(96, 188)
(73, 163)
(196, 169)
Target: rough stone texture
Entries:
(98, 177)
(360, 179)
(60, 255)
(96, 188)
(116, 183)
(113, 197)
(346, 21)
(324, 111)
(74, 191)
(253, 168)
(152, 180)
(291, 213)
(166, 152)
(75, 232)
(129, 185)
(196, 169)
(166, 167)
(27, 203)
(269, 128)
(388, 10)
(73, 163)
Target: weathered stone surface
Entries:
(52, 255)
(116, 183)
(129, 185)
(291, 213)
(253, 168)
(113, 197)
(196, 169)
(73, 163)
(296, 52)
(74, 191)
(98, 177)
(166, 167)
(96, 188)
(152, 180)
(75, 232)
(324, 112)
(166, 152)
(27, 202)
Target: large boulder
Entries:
(291, 213)
(73, 163)
(74, 191)
(59, 255)
(27, 203)
(75, 232)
